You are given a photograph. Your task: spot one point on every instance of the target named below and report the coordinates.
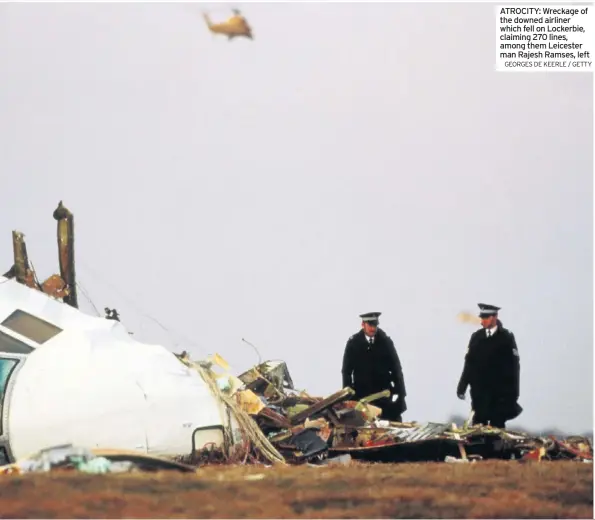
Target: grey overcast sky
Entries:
(353, 157)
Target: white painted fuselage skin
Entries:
(93, 385)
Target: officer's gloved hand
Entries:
(461, 396)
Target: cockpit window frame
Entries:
(6, 399)
(15, 338)
(48, 332)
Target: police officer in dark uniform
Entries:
(371, 365)
(492, 371)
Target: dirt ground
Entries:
(491, 489)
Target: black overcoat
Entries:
(370, 369)
(492, 371)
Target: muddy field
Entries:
(432, 490)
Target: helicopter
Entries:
(234, 27)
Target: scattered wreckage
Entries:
(79, 391)
(95, 461)
(303, 428)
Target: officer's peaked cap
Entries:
(486, 310)
(370, 317)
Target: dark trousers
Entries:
(390, 411)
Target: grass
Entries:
(490, 489)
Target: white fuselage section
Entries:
(74, 378)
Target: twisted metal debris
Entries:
(284, 425)
(247, 426)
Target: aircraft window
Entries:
(6, 368)
(31, 327)
(12, 345)
(3, 457)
